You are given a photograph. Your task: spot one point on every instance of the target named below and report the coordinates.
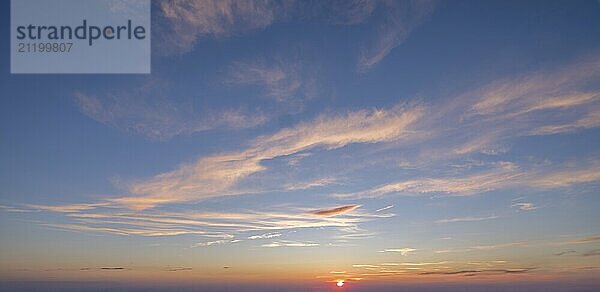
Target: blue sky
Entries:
(364, 141)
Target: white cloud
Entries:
(384, 208)
(184, 22)
(265, 236)
(505, 175)
(589, 120)
(217, 175)
(403, 251)
(289, 243)
(281, 80)
(321, 182)
(349, 12)
(477, 183)
(524, 206)
(156, 117)
(221, 225)
(399, 20)
(214, 242)
(466, 219)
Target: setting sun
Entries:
(340, 283)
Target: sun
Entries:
(340, 283)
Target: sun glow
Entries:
(340, 283)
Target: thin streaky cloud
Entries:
(583, 240)
(290, 243)
(590, 120)
(504, 175)
(320, 182)
(423, 263)
(14, 209)
(125, 231)
(185, 22)
(178, 269)
(281, 80)
(223, 226)
(502, 245)
(217, 175)
(402, 251)
(335, 211)
(349, 12)
(485, 271)
(151, 114)
(67, 208)
(465, 219)
(567, 177)
(214, 242)
(364, 266)
(524, 206)
(384, 208)
(265, 236)
(399, 20)
(593, 252)
(540, 91)
(565, 252)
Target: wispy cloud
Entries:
(223, 227)
(403, 251)
(524, 206)
(335, 211)
(583, 240)
(565, 252)
(289, 243)
(134, 230)
(265, 236)
(589, 120)
(281, 80)
(489, 180)
(423, 263)
(593, 252)
(152, 115)
(185, 22)
(69, 208)
(348, 12)
(384, 208)
(504, 175)
(567, 177)
(399, 19)
(501, 245)
(365, 266)
(217, 175)
(483, 271)
(466, 219)
(488, 111)
(528, 105)
(177, 269)
(182, 23)
(560, 89)
(214, 242)
(321, 182)
(112, 268)
(421, 269)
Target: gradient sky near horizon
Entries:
(310, 142)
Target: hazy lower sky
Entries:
(428, 143)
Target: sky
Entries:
(296, 144)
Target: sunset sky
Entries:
(293, 144)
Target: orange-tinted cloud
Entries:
(335, 211)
